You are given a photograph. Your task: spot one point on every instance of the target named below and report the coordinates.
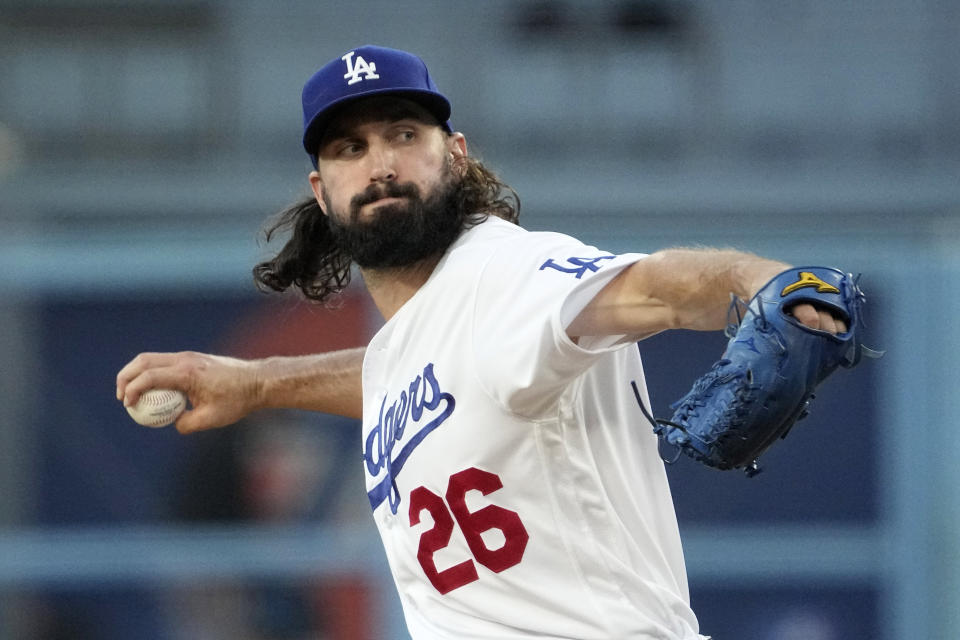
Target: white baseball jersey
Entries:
(516, 485)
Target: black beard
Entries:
(401, 234)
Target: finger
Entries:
(194, 421)
(834, 324)
(820, 319)
(827, 322)
(188, 422)
(169, 377)
(806, 315)
(176, 375)
(129, 371)
(198, 419)
(137, 366)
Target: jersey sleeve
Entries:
(530, 290)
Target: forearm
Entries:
(326, 382)
(697, 283)
(674, 289)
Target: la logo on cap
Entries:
(357, 67)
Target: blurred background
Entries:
(143, 143)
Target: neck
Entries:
(391, 288)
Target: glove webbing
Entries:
(737, 307)
(658, 423)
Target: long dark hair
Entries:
(313, 263)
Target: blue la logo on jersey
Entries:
(576, 266)
(422, 404)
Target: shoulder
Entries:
(497, 237)
(499, 252)
(492, 229)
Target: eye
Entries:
(405, 135)
(348, 149)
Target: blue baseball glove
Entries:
(765, 380)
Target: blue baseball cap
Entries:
(367, 71)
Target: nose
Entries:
(382, 164)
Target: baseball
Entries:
(158, 407)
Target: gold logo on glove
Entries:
(807, 279)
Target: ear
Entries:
(316, 184)
(457, 145)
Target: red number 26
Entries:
(472, 524)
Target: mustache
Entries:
(384, 190)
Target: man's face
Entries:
(385, 178)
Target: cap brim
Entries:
(436, 104)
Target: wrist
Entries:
(261, 383)
(756, 274)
